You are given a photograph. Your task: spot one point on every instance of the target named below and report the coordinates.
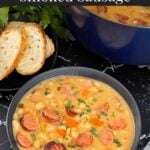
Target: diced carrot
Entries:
(96, 121)
(70, 122)
(85, 93)
(61, 132)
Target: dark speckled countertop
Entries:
(135, 78)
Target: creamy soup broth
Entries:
(73, 113)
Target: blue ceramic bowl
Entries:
(118, 42)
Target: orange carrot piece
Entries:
(70, 122)
(95, 121)
(61, 132)
(85, 93)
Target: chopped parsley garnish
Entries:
(88, 109)
(69, 105)
(56, 141)
(20, 105)
(100, 90)
(80, 100)
(94, 132)
(71, 146)
(33, 136)
(62, 123)
(99, 116)
(73, 87)
(94, 99)
(47, 91)
(113, 114)
(57, 112)
(58, 88)
(76, 92)
(81, 114)
(103, 113)
(66, 138)
(117, 142)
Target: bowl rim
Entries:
(119, 23)
(76, 71)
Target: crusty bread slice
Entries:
(34, 56)
(14, 25)
(12, 47)
(50, 48)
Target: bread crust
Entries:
(50, 48)
(22, 71)
(22, 48)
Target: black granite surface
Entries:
(135, 78)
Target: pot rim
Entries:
(119, 23)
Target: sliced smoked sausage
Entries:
(104, 107)
(29, 122)
(66, 90)
(117, 124)
(51, 116)
(23, 140)
(84, 139)
(54, 146)
(106, 137)
(71, 112)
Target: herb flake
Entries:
(47, 91)
(56, 141)
(113, 114)
(117, 142)
(20, 105)
(33, 136)
(94, 132)
(103, 113)
(69, 105)
(80, 100)
(88, 109)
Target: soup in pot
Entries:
(133, 15)
(73, 113)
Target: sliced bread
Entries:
(34, 56)
(50, 48)
(12, 47)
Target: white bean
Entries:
(16, 126)
(15, 116)
(74, 133)
(68, 131)
(20, 111)
(39, 106)
(36, 144)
